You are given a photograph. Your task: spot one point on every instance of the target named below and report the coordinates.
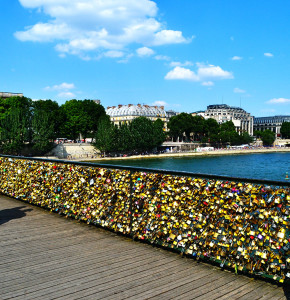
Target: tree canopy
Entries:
(285, 130)
(267, 136)
(15, 124)
(81, 117)
(35, 124)
(186, 127)
(181, 126)
(140, 135)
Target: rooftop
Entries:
(8, 95)
(223, 106)
(136, 110)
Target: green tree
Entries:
(285, 130)
(125, 140)
(181, 125)
(245, 138)
(159, 135)
(106, 135)
(210, 130)
(3, 108)
(93, 113)
(228, 134)
(50, 110)
(42, 131)
(268, 137)
(15, 124)
(15, 131)
(198, 124)
(175, 127)
(81, 117)
(258, 133)
(142, 134)
(227, 126)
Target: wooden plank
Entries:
(190, 287)
(241, 290)
(38, 249)
(260, 291)
(222, 289)
(179, 282)
(47, 269)
(126, 280)
(165, 280)
(82, 280)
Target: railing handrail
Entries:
(161, 171)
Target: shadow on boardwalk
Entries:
(13, 213)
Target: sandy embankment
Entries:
(192, 153)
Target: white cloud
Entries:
(114, 53)
(44, 32)
(237, 90)
(179, 64)
(60, 87)
(84, 26)
(181, 74)
(236, 58)
(207, 83)
(144, 51)
(125, 59)
(279, 101)
(164, 37)
(268, 54)
(213, 72)
(63, 90)
(162, 57)
(66, 95)
(204, 73)
(160, 103)
(268, 110)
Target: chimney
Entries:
(129, 105)
(108, 107)
(162, 107)
(120, 105)
(139, 105)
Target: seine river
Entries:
(272, 166)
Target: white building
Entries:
(222, 113)
(126, 113)
(5, 95)
(273, 123)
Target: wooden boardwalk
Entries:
(45, 256)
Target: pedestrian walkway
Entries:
(45, 256)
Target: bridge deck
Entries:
(44, 256)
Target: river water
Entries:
(272, 166)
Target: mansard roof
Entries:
(136, 110)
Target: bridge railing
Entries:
(238, 223)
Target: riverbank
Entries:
(183, 154)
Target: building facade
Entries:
(126, 113)
(222, 113)
(272, 123)
(171, 113)
(5, 95)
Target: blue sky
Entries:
(184, 54)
